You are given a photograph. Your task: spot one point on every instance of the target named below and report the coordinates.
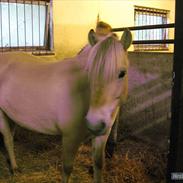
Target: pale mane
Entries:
(105, 61)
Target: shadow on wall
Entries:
(146, 115)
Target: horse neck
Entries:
(83, 55)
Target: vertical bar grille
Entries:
(150, 16)
(23, 25)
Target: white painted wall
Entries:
(74, 18)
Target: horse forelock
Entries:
(105, 60)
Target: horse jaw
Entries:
(100, 119)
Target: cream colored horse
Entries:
(61, 98)
(83, 55)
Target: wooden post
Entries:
(175, 156)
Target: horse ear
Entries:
(126, 39)
(92, 37)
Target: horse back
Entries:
(40, 91)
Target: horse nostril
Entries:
(102, 125)
(97, 129)
(101, 128)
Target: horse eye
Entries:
(122, 74)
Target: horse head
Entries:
(106, 66)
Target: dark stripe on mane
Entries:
(106, 59)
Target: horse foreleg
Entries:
(98, 146)
(70, 147)
(7, 144)
(112, 140)
(5, 153)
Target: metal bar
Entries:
(143, 24)
(28, 1)
(47, 22)
(17, 24)
(175, 158)
(39, 25)
(32, 19)
(154, 23)
(21, 48)
(51, 28)
(167, 41)
(1, 25)
(137, 22)
(151, 10)
(34, 50)
(25, 36)
(172, 25)
(47, 28)
(9, 17)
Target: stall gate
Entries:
(147, 113)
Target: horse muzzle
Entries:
(98, 129)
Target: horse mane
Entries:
(105, 60)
